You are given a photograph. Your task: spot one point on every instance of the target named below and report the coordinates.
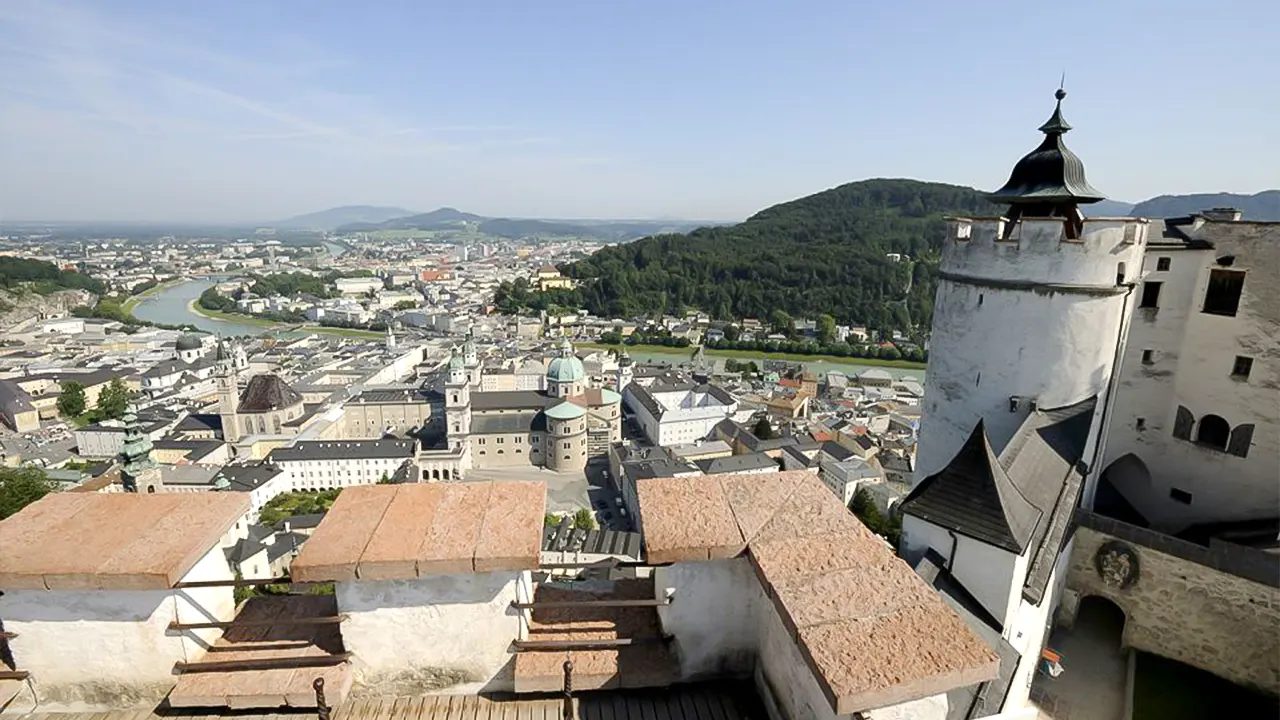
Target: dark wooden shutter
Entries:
(1241, 439)
(1182, 423)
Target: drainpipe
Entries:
(1111, 385)
(951, 561)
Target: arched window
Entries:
(1214, 432)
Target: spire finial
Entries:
(1062, 87)
(1056, 124)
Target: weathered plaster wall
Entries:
(1186, 611)
(1193, 354)
(110, 648)
(433, 632)
(992, 575)
(1037, 317)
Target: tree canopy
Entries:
(825, 253)
(21, 486)
(44, 277)
(71, 401)
(288, 505)
(113, 400)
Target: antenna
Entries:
(1062, 83)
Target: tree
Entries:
(405, 305)
(826, 328)
(864, 508)
(21, 486)
(551, 520)
(287, 505)
(781, 322)
(731, 332)
(763, 429)
(71, 402)
(113, 400)
(582, 520)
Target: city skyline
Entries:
(241, 113)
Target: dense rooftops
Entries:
(113, 541)
(400, 532)
(871, 631)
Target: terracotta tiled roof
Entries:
(397, 532)
(112, 541)
(871, 631)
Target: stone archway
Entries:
(1101, 620)
(1123, 486)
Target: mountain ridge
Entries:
(343, 214)
(1262, 206)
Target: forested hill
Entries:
(825, 253)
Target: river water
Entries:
(169, 306)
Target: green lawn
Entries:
(756, 355)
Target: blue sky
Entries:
(249, 110)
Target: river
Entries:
(169, 306)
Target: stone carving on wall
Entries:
(1117, 564)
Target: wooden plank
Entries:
(687, 708)
(702, 707)
(274, 663)
(649, 708)
(382, 711)
(14, 674)
(556, 604)
(728, 708)
(398, 707)
(431, 708)
(414, 710)
(360, 709)
(579, 644)
(618, 707)
(281, 621)
(230, 582)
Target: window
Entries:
(1120, 273)
(1222, 297)
(1150, 294)
(1181, 496)
(499, 452)
(1214, 432)
(519, 440)
(480, 441)
(979, 299)
(1148, 357)
(1162, 264)
(501, 440)
(1141, 423)
(1243, 365)
(567, 446)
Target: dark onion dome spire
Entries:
(1049, 181)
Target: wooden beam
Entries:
(556, 604)
(329, 620)
(606, 563)
(14, 674)
(580, 644)
(303, 661)
(6, 635)
(233, 582)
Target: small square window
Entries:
(1242, 367)
(1222, 296)
(1148, 357)
(1141, 423)
(1181, 496)
(1162, 264)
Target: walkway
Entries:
(1092, 687)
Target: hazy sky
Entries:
(234, 110)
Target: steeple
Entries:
(1049, 181)
(135, 455)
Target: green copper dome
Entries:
(567, 367)
(565, 411)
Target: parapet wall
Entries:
(1039, 251)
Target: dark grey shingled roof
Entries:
(200, 421)
(736, 463)
(508, 423)
(974, 496)
(1043, 458)
(267, 392)
(1051, 173)
(511, 400)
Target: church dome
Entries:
(567, 367)
(189, 342)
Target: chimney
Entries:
(1222, 214)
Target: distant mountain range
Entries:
(336, 217)
(1259, 207)
(453, 219)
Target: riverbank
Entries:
(134, 301)
(195, 307)
(686, 353)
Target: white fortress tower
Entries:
(1029, 325)
(1031, 308)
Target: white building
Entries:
(1030, 320)
(358, 285)
(327, 464)
(672, 414)
(1196, 431)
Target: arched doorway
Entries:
(1123, 484)
(1214, 432)
(1101, 621)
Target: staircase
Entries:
(608, 629)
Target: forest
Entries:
(825, 253)
(44, 277)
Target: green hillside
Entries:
(825, 253)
